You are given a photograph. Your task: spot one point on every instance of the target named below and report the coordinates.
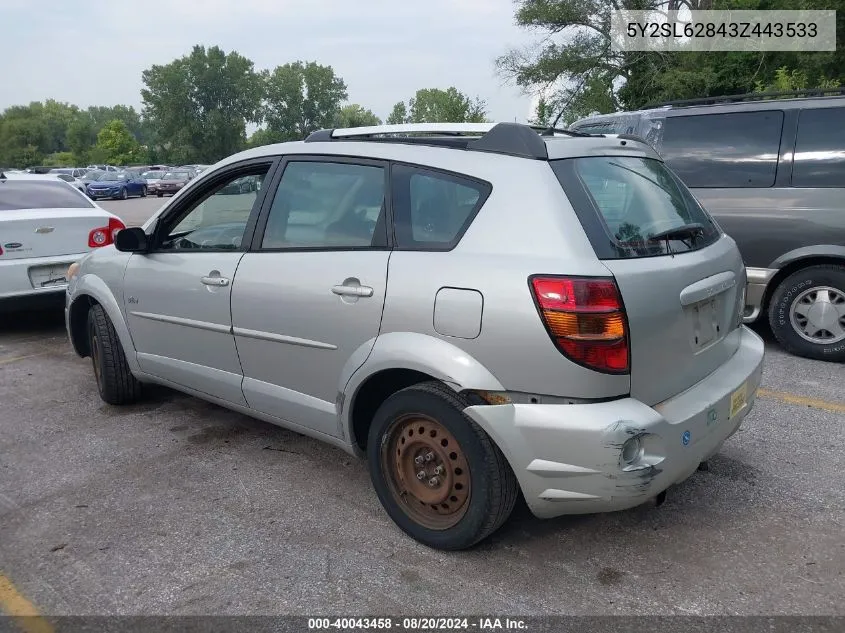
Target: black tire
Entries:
(124, 194)
(143, 192)
(782, 300)
(115, 382)
(159, 195)
(493, 486)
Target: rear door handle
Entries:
(353, 291)
(215, 281)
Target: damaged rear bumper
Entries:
(599, 457)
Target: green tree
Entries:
(261, 137)
(198, 105)
(433, 105)
(102, 115)
(117, 143)
(23, 137)
(399, 114)
(300, 98)
(354, 115)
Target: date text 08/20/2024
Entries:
(417, 624)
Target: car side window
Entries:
(217, 219)
(327, 205)
(820, 148)
(733, 149)
(432, 209)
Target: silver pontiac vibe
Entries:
(478, 309)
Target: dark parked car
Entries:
(172, 182)
(120, 184)
(772, 172)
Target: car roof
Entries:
(436, 143)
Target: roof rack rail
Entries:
(514, 139)
(749, 96)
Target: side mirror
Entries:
(131, 240)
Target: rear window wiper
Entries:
(684, 231)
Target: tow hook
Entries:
(660, 499)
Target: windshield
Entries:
(61, 171)
(152, 174)
(40, 194)
(628, 205)
(98, 175)
(176, 175)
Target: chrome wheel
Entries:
(427, 472)
(818, 315)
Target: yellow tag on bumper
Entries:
(738, 399)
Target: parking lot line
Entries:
(791, 398)
(14, 359)
(26, 615)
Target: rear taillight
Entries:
(586, 320)
(104, 235)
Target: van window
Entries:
(820, 148)
(736, 149)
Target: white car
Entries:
(45, 226)
(73, 182)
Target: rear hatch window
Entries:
(632, 207)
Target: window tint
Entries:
(433, 209)
(737, 149)
(218, 220)
(624, 202)
(820, 149)
(327, 205)
(40, 194)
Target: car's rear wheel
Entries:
(438, 474)
(115, 381)
(807, 313)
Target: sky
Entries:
(92, 52)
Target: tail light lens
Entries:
(104, 235)
(586, 320)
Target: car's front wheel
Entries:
(807, 313)
(438, 474)
(159, 195)
(115, 381)
(143, 192)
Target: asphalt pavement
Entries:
(134, 211)
(176, 506)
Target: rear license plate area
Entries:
(52, 275)
(704, 323)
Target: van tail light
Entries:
(586, 320)
(104, 235)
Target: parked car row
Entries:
(772, 173)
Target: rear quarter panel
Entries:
(527, 226)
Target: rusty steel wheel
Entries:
(427, 472)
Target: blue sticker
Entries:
(685, 438)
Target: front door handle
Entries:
(353, 291)
(215, 281)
